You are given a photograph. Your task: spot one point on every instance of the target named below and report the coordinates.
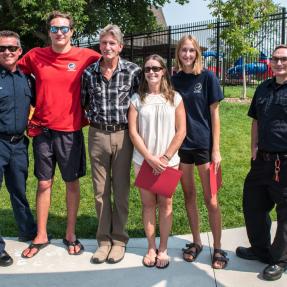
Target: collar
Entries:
(4, 72)
(275, 85)
(121, 65)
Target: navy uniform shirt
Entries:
(269, 108)
(16, 94)
(198, 93)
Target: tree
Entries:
(245, 18)
(27, 17)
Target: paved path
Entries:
(53, 267)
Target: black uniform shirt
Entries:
(269, 108)
(16, 94)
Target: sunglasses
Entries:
(155, 69)
(283, 60)
(63, 29)
(10, 48)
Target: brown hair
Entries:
(165, 85)
(8, 34)
(197, 65)
(58, 14)
(281, 46)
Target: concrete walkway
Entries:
(53, 267)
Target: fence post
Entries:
(283, 37)
(169, 60)
(132, 48)
(217, 46)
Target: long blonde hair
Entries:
(165, 85)
(197, 65)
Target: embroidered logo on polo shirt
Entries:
(1, 88)
(197, 88)
(72, 67)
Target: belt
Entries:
(109, 128)
(270, 156)
(11, 138)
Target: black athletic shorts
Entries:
(194, 156)
(67, 149)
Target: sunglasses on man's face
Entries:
(276, 60)
(155, 69)
(63, 29)
(9, 48)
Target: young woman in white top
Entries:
(157, 129)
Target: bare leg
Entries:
(72, 201)
(43, 201)
(165, 223)
(214, 214)
(148, 200)
(188, 186)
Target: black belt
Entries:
(11, 138)
(270, 156)
(109, 128)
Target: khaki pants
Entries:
(110, 155)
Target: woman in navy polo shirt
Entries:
(201, 95)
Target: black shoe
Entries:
(5, 259)
(246, 253)
(274, 272)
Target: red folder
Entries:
(164, 183)
(215, 179)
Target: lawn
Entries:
(236, 91)
(235, 142)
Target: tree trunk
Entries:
(243, 79)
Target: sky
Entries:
(194, 11)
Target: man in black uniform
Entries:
(266, 183)
(15, 98)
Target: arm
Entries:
(180, 126)
(215, 123)
(254, 139)
(155, 162)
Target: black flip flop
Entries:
(68, 244)
(37, 246)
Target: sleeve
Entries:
(252, 112)
(213, 89)
(135, 101)
(25, 63)
(177, 99)
(84, 92)
(136, 80)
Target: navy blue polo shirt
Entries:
(269, 108)
(198, 93)
(16, 94)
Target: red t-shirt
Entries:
(58, 85)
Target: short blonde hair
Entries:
(115, 31)
(197, 65)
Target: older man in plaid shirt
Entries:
(107, 86)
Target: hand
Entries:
(157, 163)
(254, 152)
(216, 159)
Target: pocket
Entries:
(3, 101)
(262, 105)
(123, 93)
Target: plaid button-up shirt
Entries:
(107, 101)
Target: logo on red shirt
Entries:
(72, 67)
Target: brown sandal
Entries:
(189, 251)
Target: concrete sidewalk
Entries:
(53, 267)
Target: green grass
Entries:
(235, 143)
(236, 91)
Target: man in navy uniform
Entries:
(266, 183)
(16, 94)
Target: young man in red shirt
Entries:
(56, 124)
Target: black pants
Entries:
(261, 193)
(14, 167)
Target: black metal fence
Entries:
(216, 54)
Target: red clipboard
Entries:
(163, 184)
(215, 179)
